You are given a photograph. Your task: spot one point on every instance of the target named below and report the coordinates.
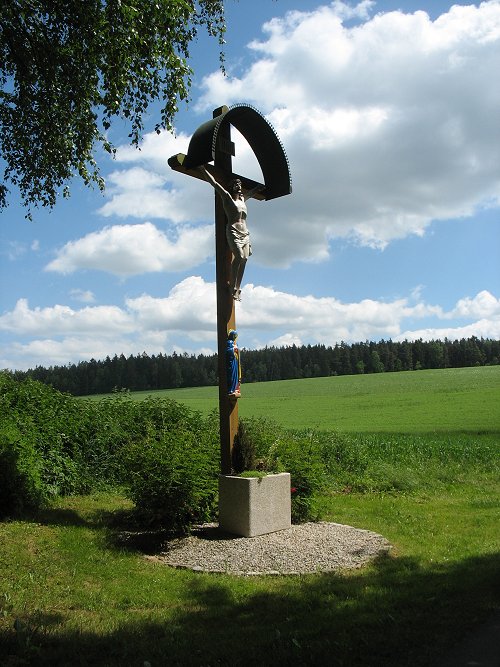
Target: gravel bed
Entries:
(303, 548)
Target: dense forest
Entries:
(145, 372)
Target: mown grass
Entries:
(76, 589)
(455, 399)
(73, 594)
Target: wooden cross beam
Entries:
(176, 162)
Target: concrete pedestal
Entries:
(251, 506)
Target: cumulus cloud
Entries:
(189, 307)
(126, 250)
(97, 320)
(389, 124)
(150, 189)
(71, 349)
(185, 320)
(480, 329)
(326, 320)
(140, 193)
(483, 304)
(390, 121)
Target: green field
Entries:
(414, 457)
(455, 399)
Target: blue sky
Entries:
(389, 113)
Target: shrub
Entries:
(53, 444)
(173, 479)
(274, 449)
(21, 486)
(166, 454)
(297, 453)
(50, 426)
(244, 450)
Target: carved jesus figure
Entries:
(237, 234)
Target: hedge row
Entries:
(165, 455)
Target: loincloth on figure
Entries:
(238, 238)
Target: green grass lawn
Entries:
(72, 592)
(71, 595)
(456, 399)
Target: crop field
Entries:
(455, 399)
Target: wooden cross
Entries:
(226, 316)
(212, 141)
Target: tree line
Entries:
(145, 372)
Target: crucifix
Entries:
(212, 143)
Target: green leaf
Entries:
(65, 67)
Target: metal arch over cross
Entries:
(212, 143)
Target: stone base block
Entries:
(251, 506)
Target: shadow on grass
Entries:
(56, 516)
(62, 516)
(395, 613)
(123, 528)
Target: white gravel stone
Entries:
(303, 548)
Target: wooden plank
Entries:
(226, 319)
(221, 176)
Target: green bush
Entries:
(119, 421)
(297, 453)
(276, 449)
(165, 453)
(244, 450)
(21, 486)
(53, 444)
(173, 479)
(52, 427)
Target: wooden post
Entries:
(272, 159)
(228, 408)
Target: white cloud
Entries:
(126, 250)
(185, 319)
(287, 340)
(155, 149)
(14, 250)
(480, 329)
(139, 193)
(85, 296)
(63, 320)
(483, 305)
(151, 189)
(388, 124)
(359, 11)
(51, 352)
(390, 121)
(324, 320)
(190, 308)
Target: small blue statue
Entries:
(233, 365)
